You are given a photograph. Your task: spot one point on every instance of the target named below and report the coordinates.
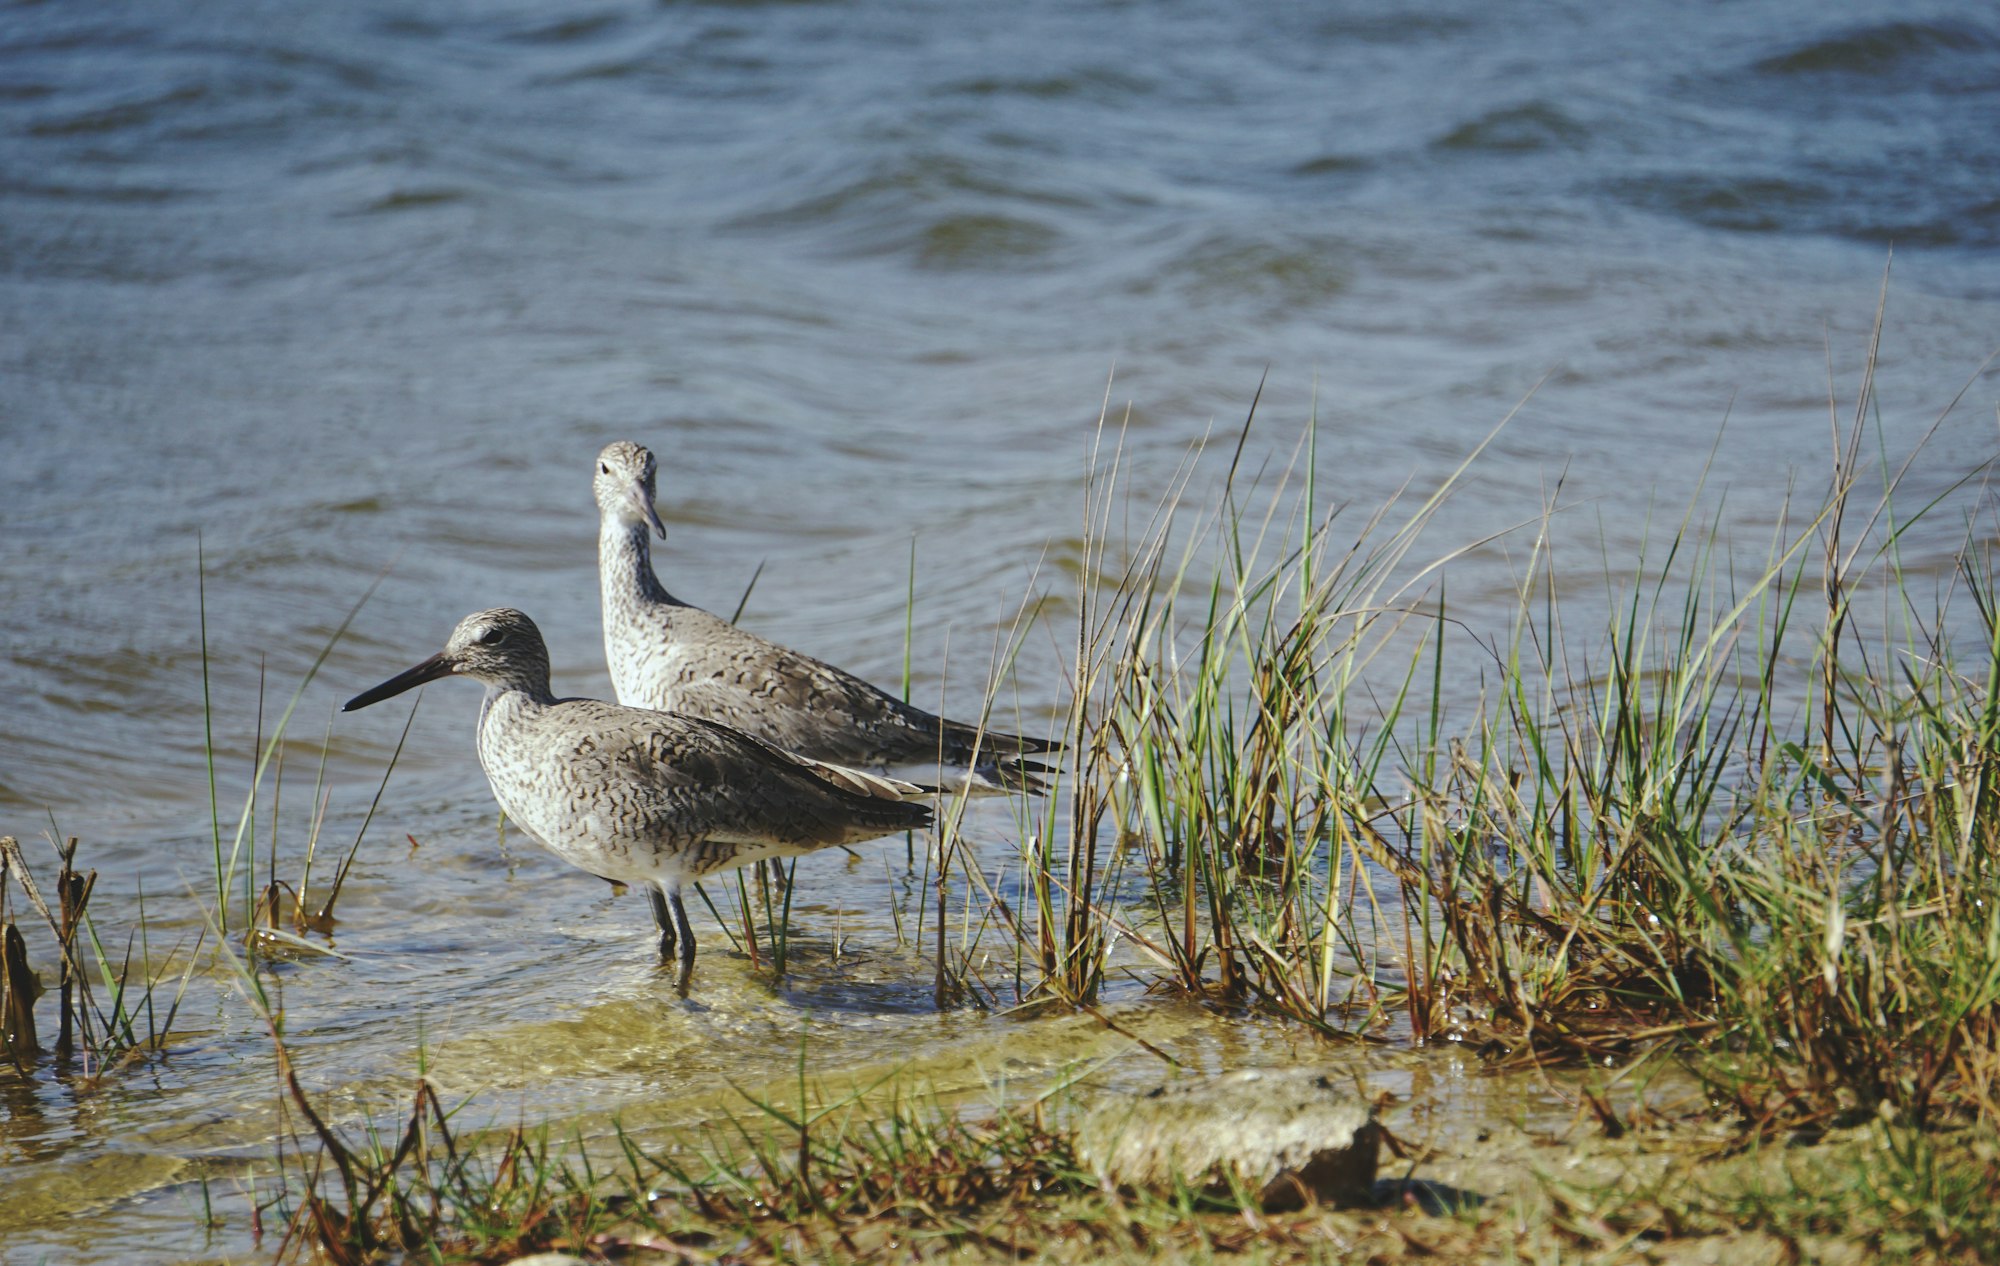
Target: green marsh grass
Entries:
(107, 1013)
(112, 1005)
(1734, 816)
(820, 1176)
(261, 915)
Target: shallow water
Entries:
(339, 288)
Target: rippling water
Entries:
(338, 288)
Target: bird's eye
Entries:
(603, 469)
(492, 637)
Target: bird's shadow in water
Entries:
(814, 980)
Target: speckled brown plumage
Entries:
(640, 796)
(666, 654)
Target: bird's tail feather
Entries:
(964, 743)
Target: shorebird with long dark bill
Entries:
(666, 654)
(651, 799)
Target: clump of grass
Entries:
(1747, 836)
(275, 916)
(824, 1177)
(418, 1190)
(850, 1169)
(109, 1006)
(285, 911)
(1726, 826)
(94, 1034)
(411, 1187)
(1211, 730)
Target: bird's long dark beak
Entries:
(430, 670)
(644, 505)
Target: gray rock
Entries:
(1289, 1134)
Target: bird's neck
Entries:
(514, 698)
(625, 568)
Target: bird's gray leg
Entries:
(663, 918)
(685, 935)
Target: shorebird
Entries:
(652, 799)
(666, 654)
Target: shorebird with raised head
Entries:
(666, 654)
(640, 797)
